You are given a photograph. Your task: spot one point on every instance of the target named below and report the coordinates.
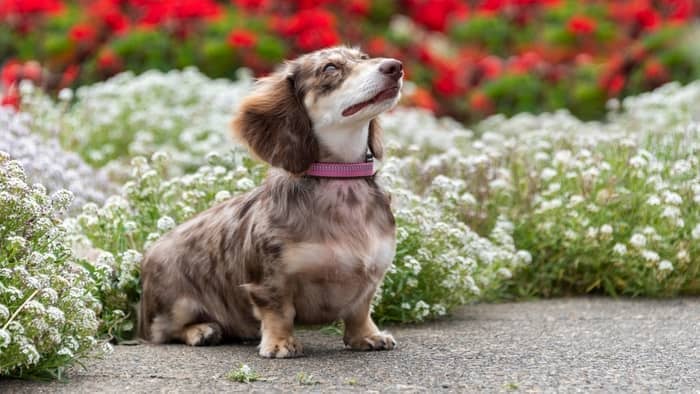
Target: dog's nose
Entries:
(391, 68)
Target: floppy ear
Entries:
(274, 124)
(375, 139)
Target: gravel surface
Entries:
(579, 344)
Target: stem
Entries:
(20, 308)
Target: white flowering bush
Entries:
(617, 215)
(602, 207)
(440, 261)
(47, 163)
(48, 313)
(182, 113)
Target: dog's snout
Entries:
(391, 68)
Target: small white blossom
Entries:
(665, 265)
(620, 249)
(638, 240)
(165, 223)
(650, 255)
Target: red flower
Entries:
(11, 98)
(682, 10)
(241, 38)
(250, 5)
(481, 102)
(108, 60)
(614, 85)
(158, 11)
(491, 66)
(422, 98)
(492, 6)
(525, 63)
(69, 75)
(655, 71)
(32, 71)
(29, 6)
(647, 18)
(358, 7)
(581, 24)
(377, 46)
(446, 81)
(311, 19)
(82, 33)
(109, 14)
(434, 14)
(311, 40)
(10, 73)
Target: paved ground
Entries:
(582, 344)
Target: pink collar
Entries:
(341, 170)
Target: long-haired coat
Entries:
(298, 248)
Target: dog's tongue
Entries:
(383, 95)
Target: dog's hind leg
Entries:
(187, 323)
(201, 334)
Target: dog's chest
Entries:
(344, 265)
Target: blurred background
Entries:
(466, 59)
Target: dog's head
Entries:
(285, 119)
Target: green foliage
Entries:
(48, 311)
(244, 374)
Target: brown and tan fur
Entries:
(297, 249)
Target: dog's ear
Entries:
(375, 139)
(273, 122)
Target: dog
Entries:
(300, 248)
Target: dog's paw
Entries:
(203, 334)
(281, 348)
(378, 341)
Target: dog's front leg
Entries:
(277, 327)
(362, 334)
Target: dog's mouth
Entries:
(385, 94)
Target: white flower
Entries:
(670, 212)
(650, 255)
(606, 230)
(160, 158)
(65, 352)
(672, 198)
(548, 173)
(653, 200)
(4, 313)
(638, 162)
(576, 199)
(5, 338)
(65, 94)
(696, 232)
(638, 240)
(665, 265)
(620, 249)
(222, 196)
(505, 273)
(523, 257)
(130, 227)
(245, 184)
(165, 223)
(591, 233)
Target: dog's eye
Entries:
(364, 57)
(330, 67)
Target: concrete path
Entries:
(567, 345)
